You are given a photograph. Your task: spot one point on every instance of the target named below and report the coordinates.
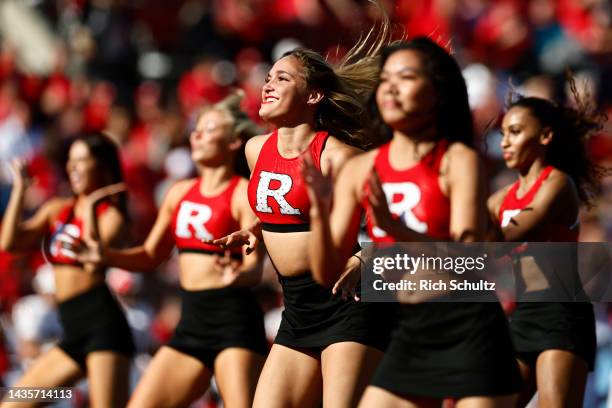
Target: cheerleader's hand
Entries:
(86, 251)
(319, 187)
(378, 208)
(229, 268)
(19, 172)
(236, 239)
(91, 252)
(346, 285)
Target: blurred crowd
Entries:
(140, 70)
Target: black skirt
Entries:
(215, 319)
(455, 350)
(94, 321)
(314, 318)
(540, 326)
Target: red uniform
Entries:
(539, 324)
(440, 340)
(199, 217)
(313, 318)
(414, 195)
(67, 228)
(513, 205)
(277, 192)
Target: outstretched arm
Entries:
(248, 237)
(249, 272)
(151, 253)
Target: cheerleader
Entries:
(555, 341)
(221, 329)
(326, 347)
(429, 174)
(97, 341)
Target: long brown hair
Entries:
(108, 161)
(346, 86)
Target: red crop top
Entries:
(414, 195)
(277, 192)
(512, 206)
(67, 228)
(198, 217)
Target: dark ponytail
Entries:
(571, 128)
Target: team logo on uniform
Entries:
(66, 235)
(264, 191)
(410, 197)
(507, 215)
(193, 215)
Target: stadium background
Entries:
(140, 69)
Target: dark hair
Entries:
(571, 128)
(106, 153)
(453, 116)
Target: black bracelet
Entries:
(360, 259)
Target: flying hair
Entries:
(572, 127)
(346, 86)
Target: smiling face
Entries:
(284, 96)
(405, 96)
(82, 169)
(211, 140)
(524, 138)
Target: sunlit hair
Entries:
(106, 155)
(347, 85)
(453, 118)
(243, 127)
(571, 128)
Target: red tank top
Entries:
(197, 217)
(414, 195)
(277, 192)
(67, 228)
(512, 206)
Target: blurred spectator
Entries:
(36, 325)
(139, 314)
(199, 87)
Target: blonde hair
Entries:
(243, 127)
(347, 86)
